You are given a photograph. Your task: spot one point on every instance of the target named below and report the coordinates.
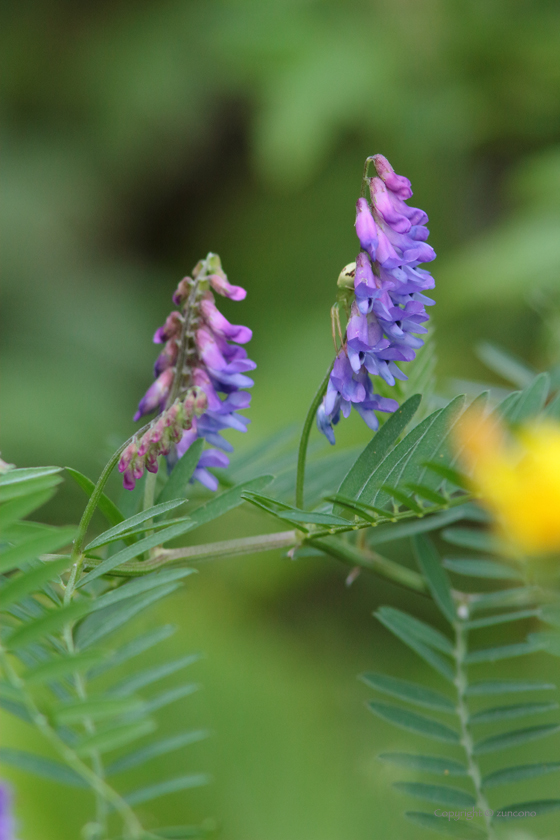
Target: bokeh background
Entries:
(139, 135)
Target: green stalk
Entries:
(302, 451)
(461, 683)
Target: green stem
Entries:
(208, 551)
(132, 826)
(461, 683)
(373, 561)
(344, 551)
(302, 452)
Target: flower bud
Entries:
(171, 328)
(167, 357)
(222, 286)
(397, 183)
(366, 228)
(182, 292)
(156, 394)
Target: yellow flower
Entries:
(517, 477)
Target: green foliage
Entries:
(53, 677)
(454, 660)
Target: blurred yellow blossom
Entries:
(517, 477)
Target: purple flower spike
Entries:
(388, 311)
(209, 385)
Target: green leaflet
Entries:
(552, 410)
(26, 488)
(16, 709)
(176, 485)
(135, 647)
(146, 794)
(481, 569)
(414, 722)
(30, 580)
(376, 451)
(108, 508)
(426, 763)
(441, 794)
(155, 749)
(504, 652)
(400, 498)
(151, 675)
(121, 529)
(64, 666)
(55, 771)
(132, 551)
(49, 623)
(409, 692)
(507, 406)
(498, 713)
(406, 463)
(138, 585)
(26, 474)
(519, 774)
(550, 642)
(393, 623)
(436, 576)
(551, 614)
(20, 507)
(514, 738)
(505, 364)
(102, 708)
(102, 622)
(228, 500)
(389, 533)
(520, 596)
(538, 807)
(44, 542)
(165, 698)
(414, 629)
(491, 687)
(470, 538)
(504, 618)
(460, 829)
(114, 737)
(427, 493)
(531, 401)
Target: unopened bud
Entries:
(171, 328)
(182, 291)
(200, 402)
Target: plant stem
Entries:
(344, 551)
(207, 551)
(302, 451)
(373, 561)
(461, 683)
(132, 826)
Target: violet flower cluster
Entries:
(202, 366)
(388, 307)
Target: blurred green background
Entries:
(139, 135)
